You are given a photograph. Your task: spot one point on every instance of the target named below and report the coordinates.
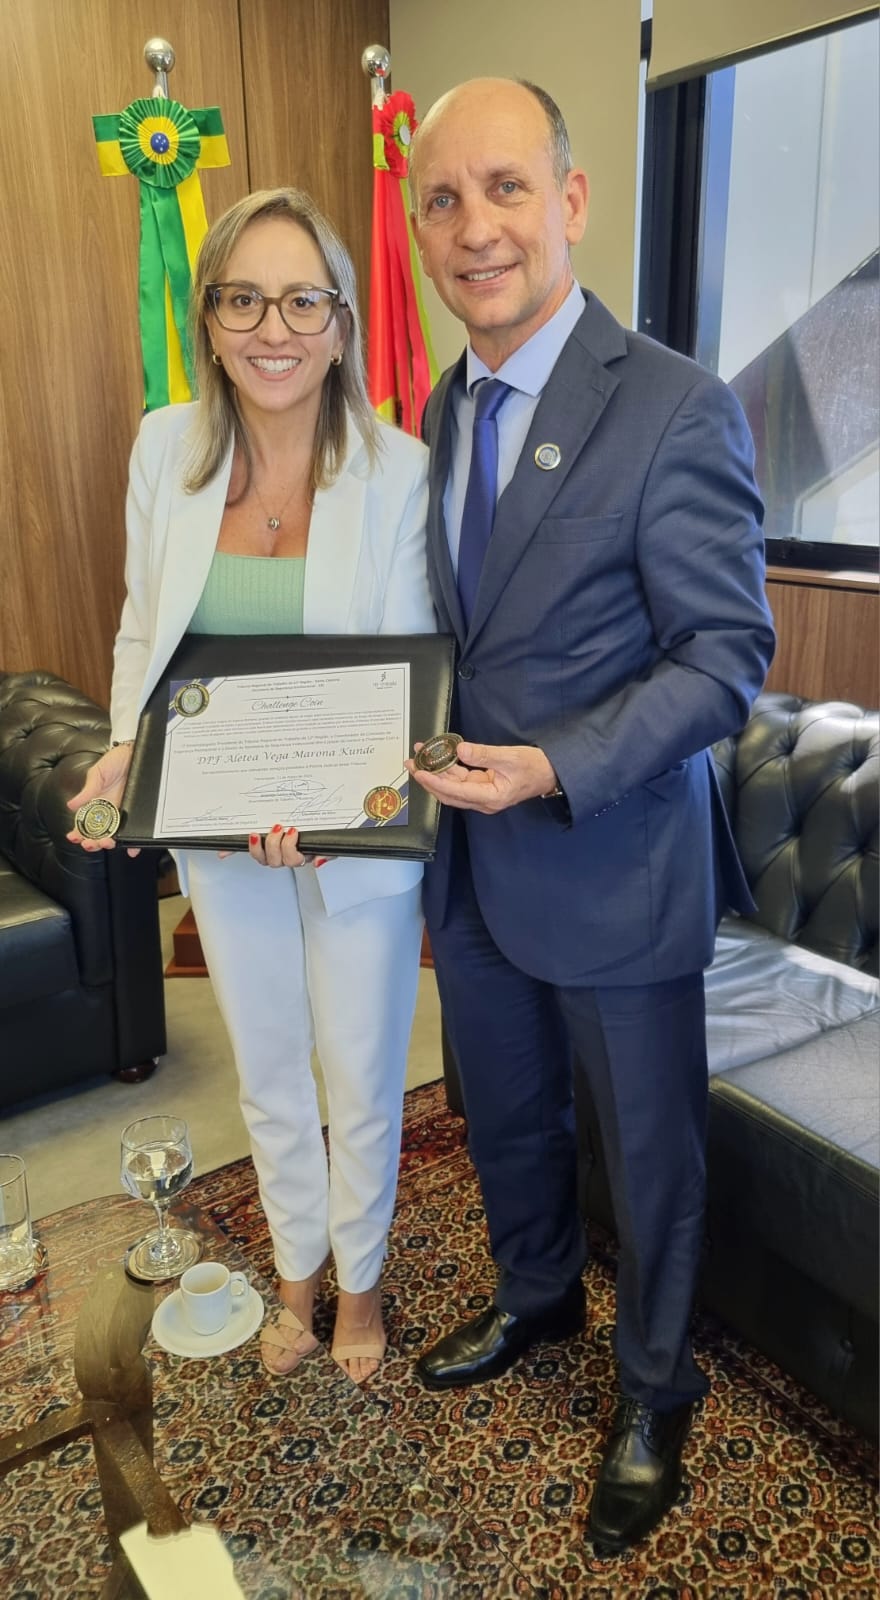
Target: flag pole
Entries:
(160, 58)
(376, 63)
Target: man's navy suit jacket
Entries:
(621, 625)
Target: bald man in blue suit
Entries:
(613, 627)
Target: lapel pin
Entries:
(548, 456)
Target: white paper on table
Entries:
(182, 1566)
(301, 748)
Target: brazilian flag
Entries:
(162, 144)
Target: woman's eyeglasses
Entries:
(240, 308)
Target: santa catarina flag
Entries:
(401, 370)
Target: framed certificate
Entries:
(243, 732)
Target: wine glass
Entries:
(157, 1164)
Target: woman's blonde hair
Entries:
(218, 417)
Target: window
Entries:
(777, 285)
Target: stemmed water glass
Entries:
(157, 1164)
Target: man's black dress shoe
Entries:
(640, 1474)
(486, 1347)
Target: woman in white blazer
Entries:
(276, 503)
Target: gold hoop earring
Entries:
(336, 361)
(217, 360)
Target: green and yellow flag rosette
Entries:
(162, 144)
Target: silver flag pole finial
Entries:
(159, 56)
(376, 62)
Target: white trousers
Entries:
(287, 977)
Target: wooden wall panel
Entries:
(71, 392)
(827, 637)
(307, 103)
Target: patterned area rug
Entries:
(326, 1492)
(779, 1496)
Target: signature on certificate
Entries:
(286, 788)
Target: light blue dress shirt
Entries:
(527, 371)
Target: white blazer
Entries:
(365, 573)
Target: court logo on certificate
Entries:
(385, 804)
(190, 699)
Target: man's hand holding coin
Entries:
(487, 777)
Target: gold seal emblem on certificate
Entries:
(97, 819)
(382, 803)
(438, 752)
(191, 699)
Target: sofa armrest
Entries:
(50, 734)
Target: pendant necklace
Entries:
(273, 523)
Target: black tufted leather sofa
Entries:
(81, 990)
(800, 787)
(793, 1021)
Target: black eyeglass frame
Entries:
(334, 297)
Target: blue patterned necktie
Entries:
(479, 501)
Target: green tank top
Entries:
(251, 594)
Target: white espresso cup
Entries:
(208, 1291)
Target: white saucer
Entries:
(172, 1331)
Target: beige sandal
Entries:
(286, 1333)
(364, 1352)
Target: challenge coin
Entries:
(97, 819)
(438, 752)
